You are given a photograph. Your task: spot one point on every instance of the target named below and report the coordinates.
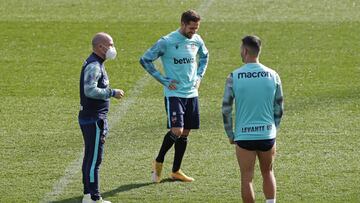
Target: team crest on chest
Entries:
(191, 46)
(173, 117)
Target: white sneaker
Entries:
(101, 201)
(87, 198)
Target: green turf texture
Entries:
(313, 45)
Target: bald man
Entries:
(95, 96)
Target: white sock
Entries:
(271, 201)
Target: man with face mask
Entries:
(95, 96)
(183, 72)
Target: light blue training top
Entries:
(258, 96)
(178, 55)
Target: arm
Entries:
(150, 56)
(279, 102)
(203, 60)
(227, 106)
(92, 73)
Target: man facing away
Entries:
(258, 96)
(183, 72)
(95, 96)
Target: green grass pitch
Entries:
(313, 45)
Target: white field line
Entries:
(61, 184)
(204, 7)
(117, 113)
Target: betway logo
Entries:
(184, 60)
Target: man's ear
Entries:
(245, 51)
(182, 24)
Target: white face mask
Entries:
(111, 53)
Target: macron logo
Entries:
(184, 60)
(261, 74)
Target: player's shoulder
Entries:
(197, 38)
(272, 72)
(269, 69)
(169, 39)
(235, 71)
(171, 36)
(240, 69)
(93, 66)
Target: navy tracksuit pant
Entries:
(92, 131)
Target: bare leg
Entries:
(246, 160)
(266, 160)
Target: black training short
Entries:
(256, 145)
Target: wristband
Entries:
(112, 93)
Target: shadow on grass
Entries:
(110, 193)
(167, 180)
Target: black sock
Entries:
(169, 140)
(95, 197)
(180, 147)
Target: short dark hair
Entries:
(190, 15)
(253, 43)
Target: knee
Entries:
(177, 132)
(266, 168)
(247, 177)
(185, 133)
(184, 136)
(267, 173)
